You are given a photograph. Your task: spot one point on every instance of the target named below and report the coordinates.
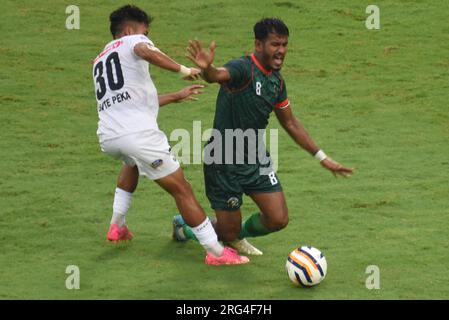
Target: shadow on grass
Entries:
(114, 250)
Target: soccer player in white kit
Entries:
(128, 105)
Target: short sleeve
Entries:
(282, 101)
(135, 39)
(240, 72)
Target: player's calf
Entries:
(227, 235)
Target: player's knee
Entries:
(283, 222)
(278, 223)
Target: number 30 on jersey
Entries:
(116, 82)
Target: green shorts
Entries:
(225, 184)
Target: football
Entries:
(306, 266)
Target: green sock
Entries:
(188, 232)
(253, 227)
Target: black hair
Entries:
(127, 13)
(269, 25)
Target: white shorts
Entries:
(148, 150)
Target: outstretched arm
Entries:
(296, 130)
(184, 94)
(204, 60)
(160, 59)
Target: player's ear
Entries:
(258, 45)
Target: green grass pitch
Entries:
(376, 100)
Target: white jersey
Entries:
(127, 100)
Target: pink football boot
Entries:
(229, 256)
(117, 234)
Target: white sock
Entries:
(122, 201)
(207, 237)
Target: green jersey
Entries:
(244, 105)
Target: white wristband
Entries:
(320, 155)
(184, 71)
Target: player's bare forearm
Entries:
(296, 130)
(212, 74)
(168, 98)
(299, 134)
(185, 94)
(156, 57)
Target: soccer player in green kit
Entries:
(251, 88)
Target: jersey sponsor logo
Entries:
(113, 46)
(156, 163)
